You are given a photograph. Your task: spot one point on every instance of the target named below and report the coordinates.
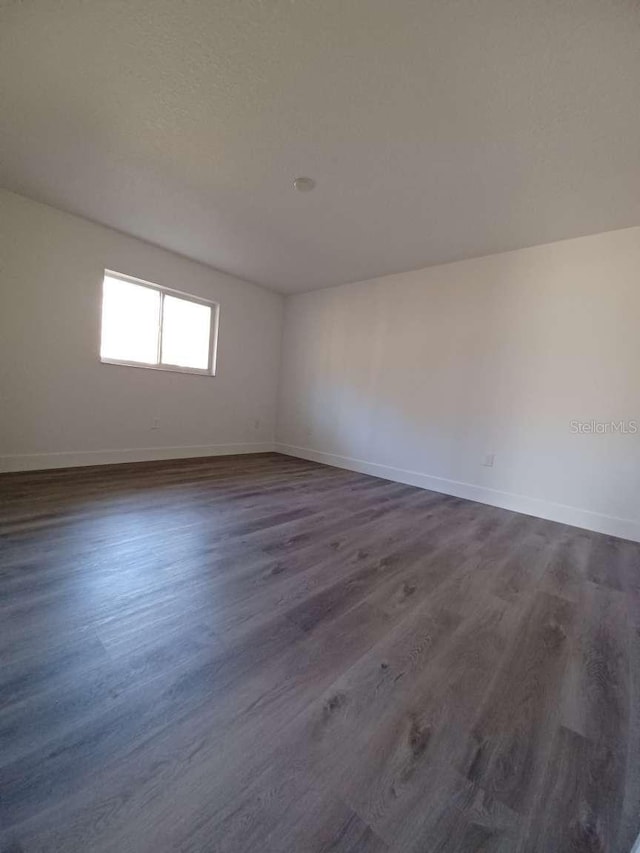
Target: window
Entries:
(144, 325)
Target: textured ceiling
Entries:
(436, 130)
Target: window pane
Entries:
(186, 327)
(130, 316)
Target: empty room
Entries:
(319, 426)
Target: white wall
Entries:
(60, 406)
(418, 376)
(415, 376)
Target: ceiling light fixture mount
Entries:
(304, 185)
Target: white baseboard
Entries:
(625, 528)
(41, 461)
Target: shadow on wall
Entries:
(432, 371)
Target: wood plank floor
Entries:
(265, 654)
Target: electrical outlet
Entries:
(489, 459)
(155, 423)
(256, 423)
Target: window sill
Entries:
(165, 368)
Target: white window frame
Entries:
(210, 370)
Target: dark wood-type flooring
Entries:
(266, 654)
